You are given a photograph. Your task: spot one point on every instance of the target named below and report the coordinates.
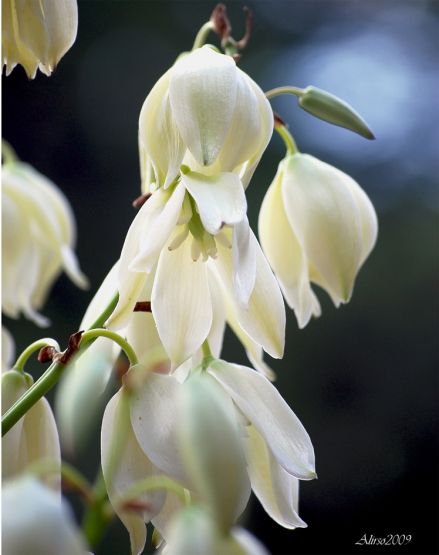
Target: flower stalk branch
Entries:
(31, 349)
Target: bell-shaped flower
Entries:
(316, 225)
(277, 447)
(166, 240)
(38, 236)
(36, 520)
(204, 113)
(37, 34)
(34, 437)
(125, 462)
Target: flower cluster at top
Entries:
(187, 436)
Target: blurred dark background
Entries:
(363, 379)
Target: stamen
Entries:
(195, 250)
(178, 239)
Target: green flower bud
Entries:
(328, 107)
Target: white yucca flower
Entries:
(316, 225)
(36, 520)
(206, 114)
(34, 437)
(277, 448)
(38, 236)
(37, 33)
(203, 128)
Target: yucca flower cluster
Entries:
(188, 435)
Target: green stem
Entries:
(202, 35)
(48, 379)
(8, 153)
(96, 517)
(102, 332)
(287, 138)
(284, 90)
(31, 349)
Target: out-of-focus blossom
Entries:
(206, 114)
(316, 225)
(37, 33)
(36, 520)
(34, 437)
(277, 448)
(8, 350)
(38, 236)
(194, 531)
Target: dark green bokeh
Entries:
(363, 379)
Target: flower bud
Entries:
(38, 235)
(316, 225)
(329, 108)
(37, 34)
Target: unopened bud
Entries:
(329, 108)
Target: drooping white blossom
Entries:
(34, 438)
(38, 236)
(36, 520)
(37, 33)
(315, 225)
(206, 114)
(277, 448)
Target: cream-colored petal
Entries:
(158, 228)
(262, 404)
(79, 397)
(216, 333)
(202, 92)
(326, 220)
(158, 133)
(266, 117)
(40, 441)
(273, 486)
(154, 418)
(145, 238)
(244, 136)
(14, 385)
(264, 318)
(220, 199)
(285, 254)
(181, 302)
(212, 448)
(133, 466)
(244, 261)
(102, 298)
(162, 522)
(369, 222)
